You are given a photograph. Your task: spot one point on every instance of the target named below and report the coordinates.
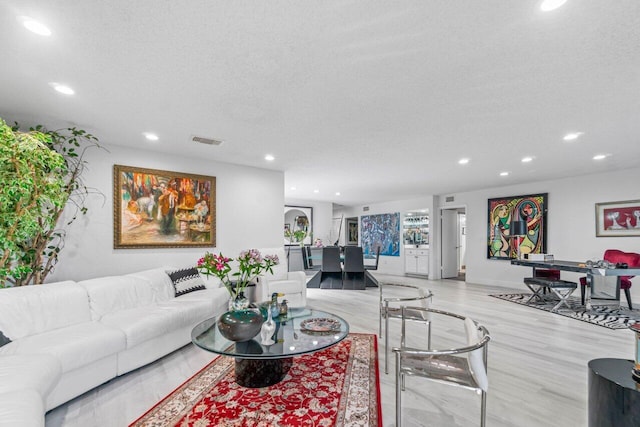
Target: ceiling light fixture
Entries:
(269, 158)
(316, 191)
(337, 193)
(62, 88)
(150, 136)
(549, 5)
(463, 161)
(572, 136)
(599, 157)
(504, 173)
(526, 159)
(35, 26)
(293, 188)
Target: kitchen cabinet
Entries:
(416, 261)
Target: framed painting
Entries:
(529, 213)
(618, 219)
(381, 230)
(300, 222)
(352, 231)
(162, 209)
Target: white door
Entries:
(449, 239)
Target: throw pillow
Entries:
(3, 340)
(186, 280)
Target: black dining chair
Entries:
(331, 272)
(353, 272)
(374, 266)
(306, 259)
(312, 266)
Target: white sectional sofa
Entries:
(69, 337)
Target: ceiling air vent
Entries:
(448, 199)
(207, 141)
(365, 208)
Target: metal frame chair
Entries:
(445, 366)
(393, 311)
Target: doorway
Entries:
(453, 238)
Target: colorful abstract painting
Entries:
(155, 208)
(380, 230)
(502, 212)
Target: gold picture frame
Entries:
(162, 209)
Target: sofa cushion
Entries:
(143, 324)
(39, 372)
(116, 293)
(217, 297)
(74, 346)
(23, 408)
(186, 280)
(159, 281)
(30, 310)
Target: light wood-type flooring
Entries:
(537, 364)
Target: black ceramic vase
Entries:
(241, 325)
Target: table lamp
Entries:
(517, 230)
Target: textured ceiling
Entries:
(375, 99)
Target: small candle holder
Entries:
(635, 372)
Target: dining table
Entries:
(603, 284)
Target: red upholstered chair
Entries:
(616, 256)
(547, 273)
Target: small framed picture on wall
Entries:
(618, 219)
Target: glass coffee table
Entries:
(304, 330)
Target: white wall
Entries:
(393, 264)
(570, 221)
(248, 215)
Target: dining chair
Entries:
(307, 261)
(353, 271)
(391, 308)
(616, 256)
(464, 366)
(331, 272)
(374, 266)
(312, 264)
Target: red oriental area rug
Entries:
(338, 386)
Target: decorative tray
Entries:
(320, 324)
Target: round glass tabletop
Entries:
(304, 330)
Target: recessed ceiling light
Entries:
(316, 191)
(463, 161)
(62, 88)
(337, 193)
(599, 156)
(35, 26)
(548, 5)
(269, 158)
(293, 188)
(526, 159)
(150, 136)
(572, 136)
(504, 173)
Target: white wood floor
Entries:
(537, 365)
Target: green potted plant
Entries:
(40, 171)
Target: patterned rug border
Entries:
(607, 318)
(174, 406)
